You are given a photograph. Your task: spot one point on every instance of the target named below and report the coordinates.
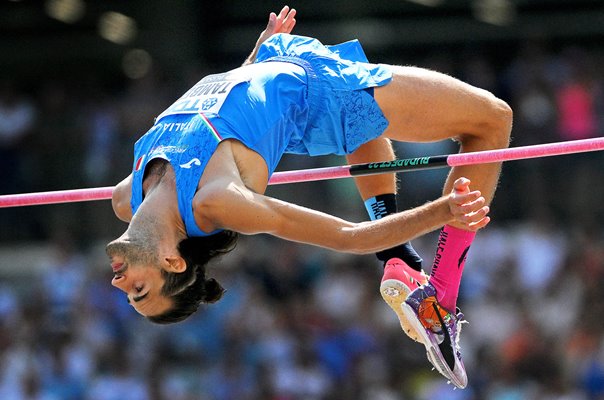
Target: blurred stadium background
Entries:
(81, 80)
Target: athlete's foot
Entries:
(398, 282)
(439, 331)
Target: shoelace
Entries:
(460, 323)
(459, 318)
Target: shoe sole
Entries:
(432, 350)
(394, 293)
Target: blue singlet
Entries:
(299, 97)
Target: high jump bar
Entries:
(344, 171)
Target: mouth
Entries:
(118, 267)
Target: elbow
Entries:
(120, 199)
(121, 206)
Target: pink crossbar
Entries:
(56, 197)
(307, 175)
(526, 152)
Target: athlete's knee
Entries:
(505, 117)
(378, 149)
(495, 128)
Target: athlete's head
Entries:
(164, 288)
(138, 270)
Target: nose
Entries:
(119, 282)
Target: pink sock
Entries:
(450, 258)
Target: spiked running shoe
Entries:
(398, 282)
(439, 331)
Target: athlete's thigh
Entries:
(425, 106)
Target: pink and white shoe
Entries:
(439, 330)
(398, 281)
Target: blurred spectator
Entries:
(58, 138)
(17, 118)
(117, 379)
(62, 283)
(299, 323)
(575, 98)
(102, 142)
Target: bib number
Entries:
(208, 95)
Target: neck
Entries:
(158, 214)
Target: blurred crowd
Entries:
(300, 323)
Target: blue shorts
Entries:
(305, 98)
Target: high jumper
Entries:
(200, 172)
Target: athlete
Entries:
(200, 173)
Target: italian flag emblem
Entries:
(139, 162)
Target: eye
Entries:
(138, 289)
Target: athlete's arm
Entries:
(282, 23)
(120, 199)
(235, 207)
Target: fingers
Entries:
(272, 22)
(469, 208)
(480, 224)
(461, 185)
(473, 217)
(285, 20)
(289, 21)
(283, 12)
(473, 221)
(282, 23)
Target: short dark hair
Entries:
(190, 288)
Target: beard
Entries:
(135, 253)
(139, 248)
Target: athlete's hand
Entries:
(469, 208)
(282, 23)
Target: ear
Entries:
(175, 264)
